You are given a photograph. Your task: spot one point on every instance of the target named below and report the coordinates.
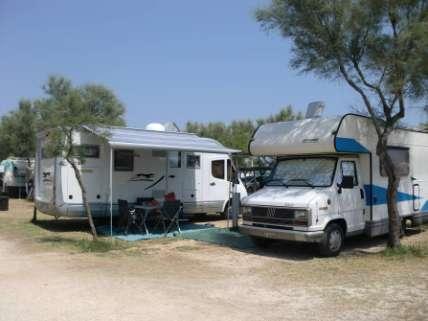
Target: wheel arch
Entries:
(341, 222)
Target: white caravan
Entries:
(15, 173)
(129, 163)
(328, 184)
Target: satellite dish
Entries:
(315, 109)
(156, 127)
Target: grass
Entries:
(83, 245)
(63, 234)
(406, 251)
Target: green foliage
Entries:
(17, 132)
(238, 133)
(377, 45)
(66, 109)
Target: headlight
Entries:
(300, 214)
(246, 211)
(301, 217)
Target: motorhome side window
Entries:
(193, 162)
(174, 159)
(217, 168)
(400, 158)
(349, 169)
(124, 160)
(87, 151)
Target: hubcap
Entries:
(335, 240)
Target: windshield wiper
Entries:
(276, 180)
(304, 180)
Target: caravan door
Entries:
(351, 200)
(216, 182)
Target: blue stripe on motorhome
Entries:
(424, 208)
(376, 195)
(349, 145)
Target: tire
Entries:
(261, 242)
(333, 240)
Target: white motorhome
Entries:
(128, 163)
(15, 173)
(327, 183)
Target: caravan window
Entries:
(174, 159)
(193, 161)
(87, 151)
(217, 168)
(349, 169)
(124, 160)
(400, 157)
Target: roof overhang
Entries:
(125, 137)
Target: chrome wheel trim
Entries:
(335, 240)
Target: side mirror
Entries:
(347, 182)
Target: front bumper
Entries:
(287, 235)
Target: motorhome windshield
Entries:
(304, 171)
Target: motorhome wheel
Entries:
(332, 243)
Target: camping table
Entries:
(146, 210)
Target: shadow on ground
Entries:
(358, 245)
(63, 225)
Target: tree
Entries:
(238, 132)
(17, 132)
(378, 47)
(63, 113)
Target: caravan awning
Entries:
(125, 137)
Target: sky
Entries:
(180, 61)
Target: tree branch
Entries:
(385, 106)
(362, 94)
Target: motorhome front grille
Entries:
(274, 215)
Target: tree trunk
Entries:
(394, 222)
(85, 200)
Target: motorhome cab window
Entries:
(400, 158)
(174, 159)
(124, 160)
(193, 162)
(349, 169)
(217, 168)
(304, 171)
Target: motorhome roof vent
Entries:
(315, 109)
(155, 126)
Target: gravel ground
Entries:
(190, 280)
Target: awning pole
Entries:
(111, 192)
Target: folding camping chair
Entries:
(171, 211)
(128, 215)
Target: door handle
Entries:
(212, 183)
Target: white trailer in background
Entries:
(128, 163)
(15, 173)
(328, 183)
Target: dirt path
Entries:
(189, 280)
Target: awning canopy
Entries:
(125, 137)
